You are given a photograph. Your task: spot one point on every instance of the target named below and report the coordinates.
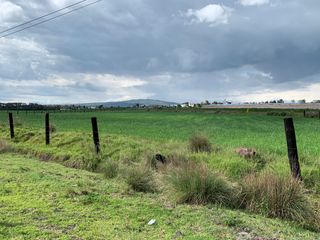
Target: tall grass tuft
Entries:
(111, 169)
(199, 143)
(140, 179)
(196, 184)
(278, 196)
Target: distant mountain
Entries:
(130, 103)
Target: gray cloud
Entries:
(173, 50)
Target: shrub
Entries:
(199, 143)
(196, 184)
(111, 169)
(140, 179)
(277, 196)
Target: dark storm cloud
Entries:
(175, 50)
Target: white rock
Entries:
(152, 222)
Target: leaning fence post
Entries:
(292, 148)
(47, 129)
(95, 134)
(11, 125)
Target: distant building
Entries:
(227, 102)
(185, 105)
(188, 104)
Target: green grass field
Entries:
(231, 130)
(108, 208)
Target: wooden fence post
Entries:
(304, 113)
(11, 125)
(292, 148)
(47, 128)
(95, 133)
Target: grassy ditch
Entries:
(48, 201)
(201, 177)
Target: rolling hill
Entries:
(130, 103)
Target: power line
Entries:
(38, 18)
(50, 19)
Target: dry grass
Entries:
(199, 143)
(140, 179)
(278, 196)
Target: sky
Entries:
(175, 50)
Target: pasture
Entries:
(228, 130)
(129, 139)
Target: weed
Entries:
(196, 184)
(89, 198)
(199, 143)
(75, 192)
(260, 161)
(111, 169)
(233, 222)
(140, 179)
(277, 196)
